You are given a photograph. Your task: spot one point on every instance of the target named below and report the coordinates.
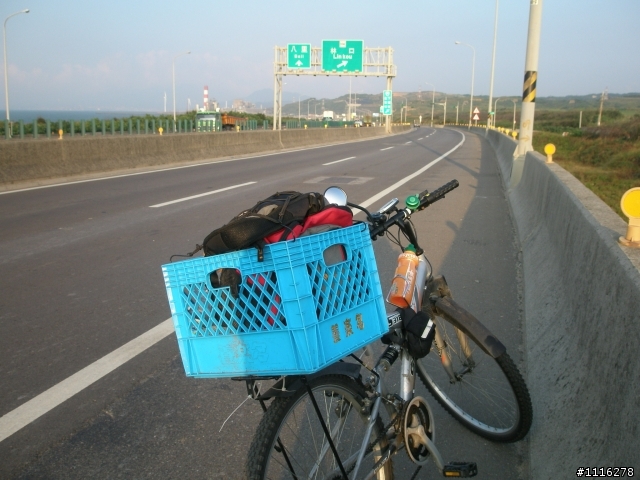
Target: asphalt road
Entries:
(80, 278)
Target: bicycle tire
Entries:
(290, 424)
(491, 399)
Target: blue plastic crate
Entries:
(295, 313)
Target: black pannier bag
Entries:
(250, 227)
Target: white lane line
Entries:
(49, 399)
(200, 195)
(420, 138)
(38, 406)
(383, 149)
(387, 191)
(338, 161)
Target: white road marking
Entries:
(383, 149)
(338, 161)
(407, 143)
(420, 138)
(49, 399)
(387, 191)
(200, 195)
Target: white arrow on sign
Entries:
(476, 111)
(298, 63)
(342, 64)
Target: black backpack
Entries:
(250, 227)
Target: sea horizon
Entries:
(76, 115)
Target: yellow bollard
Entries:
(305, 126)
(549, 149)
(630, 205)
(60, 132)
(514, 134)
(160, 130)
(326, 125)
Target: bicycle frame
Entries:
(407, 382)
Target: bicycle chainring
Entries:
(417, 424)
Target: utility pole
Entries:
(603, 97)
(527, 111)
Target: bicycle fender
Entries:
(287, 386)
(469, 324)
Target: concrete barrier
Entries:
(581, 320)
(40, 160)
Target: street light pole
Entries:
(173, 79)
(473, 71)
(493, 66)
(495, 111)
(433, 98)
(444, 121)
(6, 76)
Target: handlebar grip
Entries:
(441, 192)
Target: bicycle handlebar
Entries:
(399, 218)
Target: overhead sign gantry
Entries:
(336, 58)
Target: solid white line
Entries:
(383, 149)
(338, 161)
(49, 399)
(387, 191)
(200, 195)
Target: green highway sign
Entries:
(299, 55)
(385, 109)
(342, 55)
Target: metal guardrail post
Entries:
(48, 129)
(122, 126)
(103, 127)
(93, 126)
(72, 128)
(7, 136)
(153, 125)
(146, 126)
(113, 131)
(21, 124)
(82, 128)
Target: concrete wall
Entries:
(582, 320)
(35, 160)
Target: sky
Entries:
(117, 55)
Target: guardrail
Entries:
(139, 126)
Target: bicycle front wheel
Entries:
(290, 442)
(485, 394)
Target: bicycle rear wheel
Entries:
(290, 442)
(487, 395)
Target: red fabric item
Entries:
(341, 217)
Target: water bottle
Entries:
(401, 291)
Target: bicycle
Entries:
(329, 424)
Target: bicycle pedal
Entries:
(460, 469)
